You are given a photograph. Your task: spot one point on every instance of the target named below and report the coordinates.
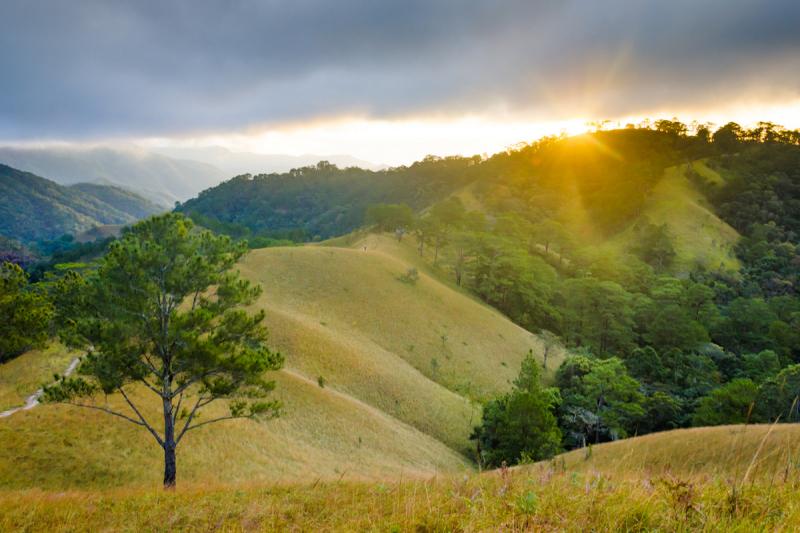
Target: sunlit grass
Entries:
(541, 497)
(699, 237)
(422, 353)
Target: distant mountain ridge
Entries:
(34, 208)
(236, 163)
(160, 179)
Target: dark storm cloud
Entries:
(93, 68)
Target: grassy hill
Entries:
(337, 313)
(624, 486)
(721, 452)
(699, 236)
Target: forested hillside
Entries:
(322, 201)
(120, 199)
(33, 208)
(668, 260)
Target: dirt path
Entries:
(33, 400)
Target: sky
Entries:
(387, 81)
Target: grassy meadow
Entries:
(642, 484)
(381, 411)
(22, 376)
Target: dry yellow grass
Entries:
(384, 412)
(550, 496)
(322, 434)
(724, 452)
(418, 352)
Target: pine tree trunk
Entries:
(170, 466)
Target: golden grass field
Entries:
(651, 483)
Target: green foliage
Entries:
(164, 309)
(731, 403)
(397, 218)
(520, 424)
(745, 325)
(778, 396)
(601, 401)
(760, 366)
(33, 208)
(654, 245)
(674, 314)
(598, 315)
(323, 201)
(514, 281)
(25, 313)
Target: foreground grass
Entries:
(539, 498)
(322, 435)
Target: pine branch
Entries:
(228, 417)
(144, 422)
(200, 403)
(106, 410)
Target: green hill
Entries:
(34, 208)
(699, 236)
(336, 313)
(322, 201)
(120, 199)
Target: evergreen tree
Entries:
(164, 312)
(25, 313)
(521, 424)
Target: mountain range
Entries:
(160, 179)
(33, 208)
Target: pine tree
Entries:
(163, 312)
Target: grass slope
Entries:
(698, 235)
(617, 489)
(339, 313)
(726, 452)
(418, 352)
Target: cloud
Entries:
(89, 68)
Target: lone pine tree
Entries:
(163, 312)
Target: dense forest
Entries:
(313, 203)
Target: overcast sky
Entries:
(95, 70)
